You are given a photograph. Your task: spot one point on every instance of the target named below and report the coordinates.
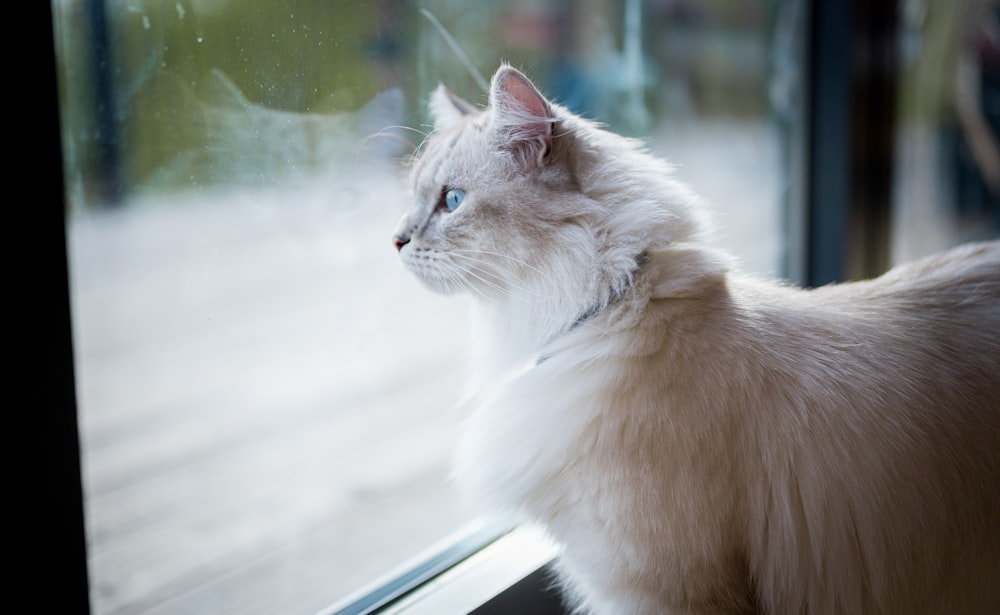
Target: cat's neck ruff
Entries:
(510, 340)
(615, 296)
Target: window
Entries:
(264, 396)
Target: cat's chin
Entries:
(429, 276)
(447, 288)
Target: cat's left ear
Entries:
(522, 118)
(447, 108)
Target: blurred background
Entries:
(265, 396)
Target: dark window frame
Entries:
(48, 500)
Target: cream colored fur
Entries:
(698, 441)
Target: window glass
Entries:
(947, 175)
(265, 394)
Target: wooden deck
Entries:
(265, 401)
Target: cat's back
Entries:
(916, 349)
(958, 278)
(932, 324)
(945, 305)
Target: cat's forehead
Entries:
(452, 153)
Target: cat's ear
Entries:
(447, 108)
(522, 118)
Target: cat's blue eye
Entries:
(453, 198)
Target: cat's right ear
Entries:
(522, 118)
(447, 108)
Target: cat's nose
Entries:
(398, 242)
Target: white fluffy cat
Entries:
(697, 441)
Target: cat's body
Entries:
(698, 441)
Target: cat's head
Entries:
(524, 202)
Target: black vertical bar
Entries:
(108, 170)
(828, 125)
(873, 132)
(850, 128)
(50, 552)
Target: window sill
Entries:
(472, 574)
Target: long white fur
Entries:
(705, 442)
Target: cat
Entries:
(694, 439)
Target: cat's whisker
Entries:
(459, 281)
(524, 290)
(410, 129)
(516, 261)
(491, 284)
(495, 285)
(418, 150)
(454, 280)
(386, 135)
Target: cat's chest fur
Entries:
(617, 454)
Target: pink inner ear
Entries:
(525, 95)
